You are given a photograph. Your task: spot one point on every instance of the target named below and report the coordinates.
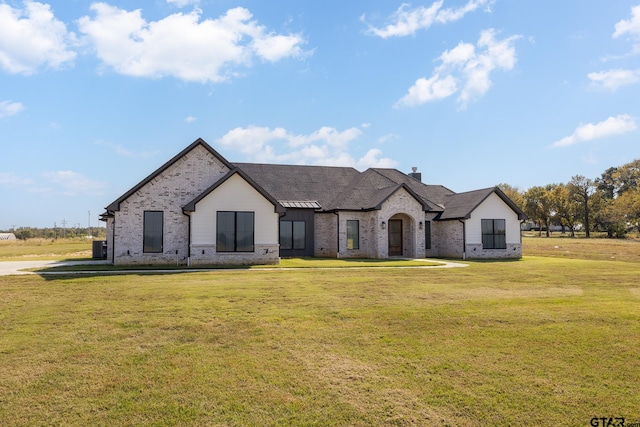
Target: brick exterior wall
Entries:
(449, 238)
(325, 240)
(435, 242)
(184, 180)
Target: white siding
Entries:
(235, 194)
(493, 208)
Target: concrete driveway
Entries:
(8, 268)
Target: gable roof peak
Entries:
(115, 205)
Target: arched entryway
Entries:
(400, 236)
(395, 237)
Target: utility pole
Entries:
(64, 228)
(89, 225)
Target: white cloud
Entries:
(190, 119)
(426, 90)
(629, 27)
(70, 183)
(406, 21)
(465, 69)
(372, 159)
(181, 45)
(614, 79)
(9, 108)
(123, 151)
(325, 146)
(610, 127)
(58, 183)
(183, 3)
(32, 38)
(11, 180)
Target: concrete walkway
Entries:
(8, 268)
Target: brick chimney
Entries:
(415, 174)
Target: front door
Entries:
(395, 237)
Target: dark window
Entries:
(353, 234)
(292, 234)
(494, 234)
(427, 234)
(152, 231)
(235, 232)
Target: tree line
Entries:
(24, 233)
(609, 203)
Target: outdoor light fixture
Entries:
(383, 225)
(420, 225)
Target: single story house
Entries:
(198, 208)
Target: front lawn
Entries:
(542, 341)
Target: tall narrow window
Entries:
(235, 232)
(292, 234)
(494, 234)
(427, 234)
(353, 234)
(152, 231)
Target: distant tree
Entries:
(23, 233)
(581, 189)
(565, 208)
(616, 181)
(607, 215)
(606, 184)
(628, 206)
(539, 205)
(627, 177)
(514, 194)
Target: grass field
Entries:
(45, 249)
(549, 340)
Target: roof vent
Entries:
(415, 174)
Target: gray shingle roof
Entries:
(336, 188)
(319, 184)
(340, 188)
(460, 205)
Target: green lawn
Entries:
(45, 249)
(542, 341)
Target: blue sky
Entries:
(96, 96)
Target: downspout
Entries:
(113, 241)
(337, 234)
(188, 239)
(464, 239)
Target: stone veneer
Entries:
(207, 255)
(514, 250)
